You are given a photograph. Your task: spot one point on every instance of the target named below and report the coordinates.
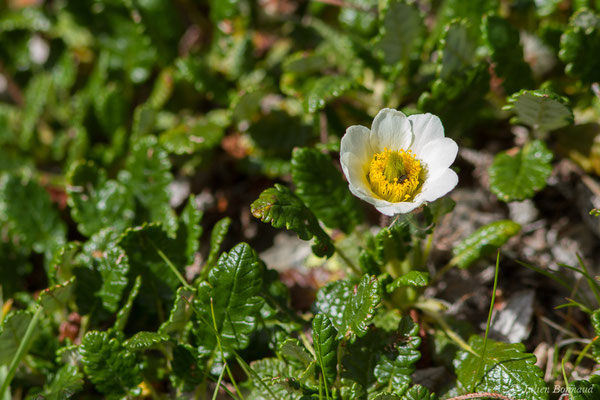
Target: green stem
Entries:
(489, 320)
(216, 392)
(173, 268)
(21, 350)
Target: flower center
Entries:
(395, 176)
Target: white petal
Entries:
(391, 129)
(437, 186)
(438, 155)
(392, 209)
(426, 128)
(356, 141)
(355, 171)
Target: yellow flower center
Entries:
(395, 176)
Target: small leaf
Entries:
(418, 392)
(457, 49)
(282, 208)
(541, 109)
(232, 291)
(123, 314)
(192, 137)
(217, 237)
(326, 346)
(324, 89)
(483, 242)
(332, 300)
(584, 390)
(321, 187)
(292, 351)
(11, 333)
(145, 340)
(504, 42)
(180, 314)
(506, 369)
(518, 177)
(412, 279)
(190, 229)
(579, 45)
(397, 41)
(360, 308)
(56, 298)
(109, 366)
(279, 377)
(67, 382)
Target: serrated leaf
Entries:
(321, 187)
(506, 369)
(579, 44)
(541, 109)
(332, 300)
(145, 340)
(504, 42)
(411, 279)
(324, 89)
(292, 351)
(56, 297)
(190, 229)
(109, 366)
(123, 314)
(418, 392)
(483, 242)
(148, 176)
(97, 202)
(519, 176)
(457, 49)
(326, 345)
(396, 41)
(144, 245)
(360, 308)
(217, 237)
(36, 95)
(278, 379)
(66, 382)
(282, 208)
(584, 390)
(11, 333)
(180, 314)
(232, 293)
(31, 215)
(113, 267)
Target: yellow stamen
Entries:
(395, 176)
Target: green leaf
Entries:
(506, 369)
(36, 96)
(109, 366)
(411, 279)
(504, 42)
(217, 237)
(483, 242)
(326, 346)
(518, 177)
(332, 300)
(584, 390)
(397, 41)
(324, 89)
(457, 49)
(148, 176)
(143, 245)
(541, 109)
(56, 298)
(232, 291)
(187, 366)
(278, 379)
(66, 382)
(31, 215)
(11, 333)
(123, 314)
(145, 340)
(359, 20)
(294, 352)
(112, 265)
(360, 308)
(97, 202)
(418, 392)
(282, 208)
(596, 321)
(321, 187)
(190, 229)
(579, 44)
(180, 314)
(192, 137)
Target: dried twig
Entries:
(484, 395)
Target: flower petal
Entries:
(392, 209)
(391, 129)
(426, 128)
(438, 155)
(356, 142)
(437, 186)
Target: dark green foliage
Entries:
(326, 345)
(579, 44)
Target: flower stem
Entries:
(349, 262)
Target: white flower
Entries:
(400, 163)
